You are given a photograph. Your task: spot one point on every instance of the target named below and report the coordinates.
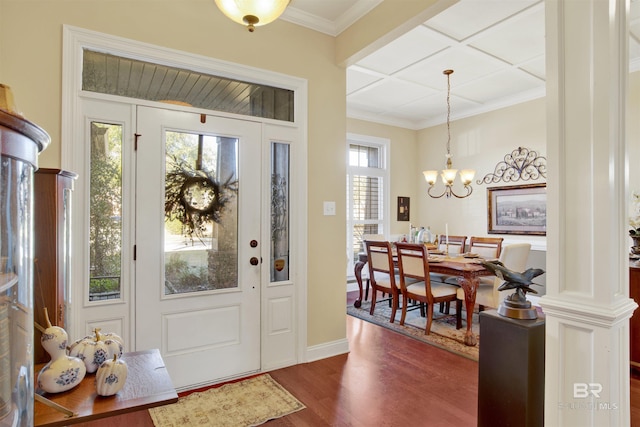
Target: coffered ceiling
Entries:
(495, 47)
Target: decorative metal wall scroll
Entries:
(521, 164)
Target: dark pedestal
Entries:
(511, 371)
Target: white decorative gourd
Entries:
(104, 336)
(95, 349)
(63, 372)
(111, 376)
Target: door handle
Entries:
(254, 261)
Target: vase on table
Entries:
(63, 372)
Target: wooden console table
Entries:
(148, 385)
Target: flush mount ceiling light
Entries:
(252, 13)
(449, 174)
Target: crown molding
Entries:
(326, 26)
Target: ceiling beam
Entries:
(383, 24)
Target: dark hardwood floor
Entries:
(387, 380)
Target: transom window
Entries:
(132, 78)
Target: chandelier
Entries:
(252, 13)
(449, 174)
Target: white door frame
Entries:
(74, 41)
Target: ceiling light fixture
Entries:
(449, 174)
(252, 13)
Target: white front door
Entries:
(197, 244)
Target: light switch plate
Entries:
(329, 208)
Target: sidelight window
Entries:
(105, 212)
(279, 212)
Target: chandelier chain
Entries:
(448, 114)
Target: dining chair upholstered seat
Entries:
(514, 257)
(413, 264)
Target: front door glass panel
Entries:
(201, 213)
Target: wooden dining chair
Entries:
(382, 274)
(414, 265)
(486, 247)
(514, 257)
(375, 238)
(457, 244)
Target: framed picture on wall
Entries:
(403, 208)
(517, 209)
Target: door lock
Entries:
(254, 261)
(253, 243)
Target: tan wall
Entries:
(479, 143)
(31, 63)
(404, 163)
(3, 40)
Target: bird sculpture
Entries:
(513, 280)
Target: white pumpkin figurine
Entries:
(63, 372)
(105, 337)
(95, 349)
(111, 376)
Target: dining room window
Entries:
(367, 193)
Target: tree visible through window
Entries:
(201, 213)
(105, 225)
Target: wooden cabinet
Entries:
(52, 189)
(634, 326)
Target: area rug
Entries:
(443, 327)
(250, 402)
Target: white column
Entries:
(586, 303)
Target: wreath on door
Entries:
(194, 197)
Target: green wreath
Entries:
(195, 197)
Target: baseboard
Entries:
(330, 349)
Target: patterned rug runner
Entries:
(250, 402)
(443, 327)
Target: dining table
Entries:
(467, 269)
